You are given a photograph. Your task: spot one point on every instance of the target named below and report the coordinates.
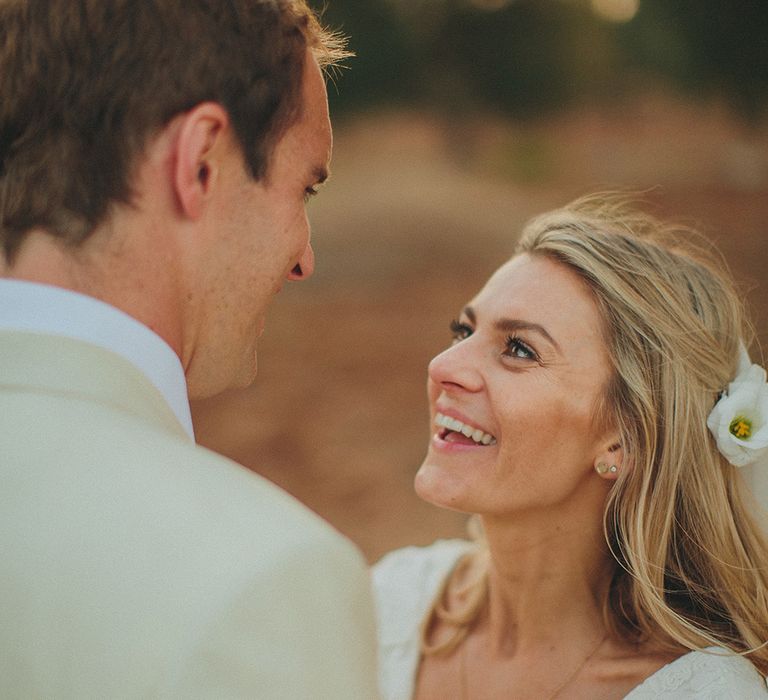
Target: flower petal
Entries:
(754, 378)
(744, 361)
(746, 399)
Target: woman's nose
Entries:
(456, 368)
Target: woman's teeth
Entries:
(470, 431)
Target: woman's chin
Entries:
(438, 486)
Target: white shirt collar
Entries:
(27, 306)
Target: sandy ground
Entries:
(417, 215)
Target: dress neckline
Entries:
(674, 666)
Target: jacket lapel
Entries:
(63, 366)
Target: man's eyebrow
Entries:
(510, 325)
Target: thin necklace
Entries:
(578, 669)
(557, 691)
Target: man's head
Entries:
(250, 236)
(197, 127)
(85, 83)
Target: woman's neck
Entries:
(548, 577)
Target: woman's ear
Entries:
(608, 464)
(199, 148)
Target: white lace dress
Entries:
(406, 581)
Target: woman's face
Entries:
(524, 376)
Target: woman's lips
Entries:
(462, 432)
(454, 435)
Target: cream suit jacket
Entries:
(135, 564)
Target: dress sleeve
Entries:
(712, 674)
(404, 583)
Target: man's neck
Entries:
(105, 269)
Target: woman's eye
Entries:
(459, 331)
(309, 192)
(515, 347)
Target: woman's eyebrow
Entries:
(469, 312)
(510, 325)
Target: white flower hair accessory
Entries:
(739, 420)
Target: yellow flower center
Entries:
(741, 428)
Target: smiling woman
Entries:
(506, 345)
(620, 554)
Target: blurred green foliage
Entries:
(528, 57)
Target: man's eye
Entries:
(518, 348)
(459, 331)
(309, 192)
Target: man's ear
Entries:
(610, 461)
(199, 148)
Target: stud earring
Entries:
(613, 469)
(601, 468)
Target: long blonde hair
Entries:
(691, 560)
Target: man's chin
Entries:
(211, 383)
(245, 374)
(248, 373)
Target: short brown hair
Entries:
(85, 83)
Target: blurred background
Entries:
(456, 122)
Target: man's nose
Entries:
(306, 265)
(456, 368)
